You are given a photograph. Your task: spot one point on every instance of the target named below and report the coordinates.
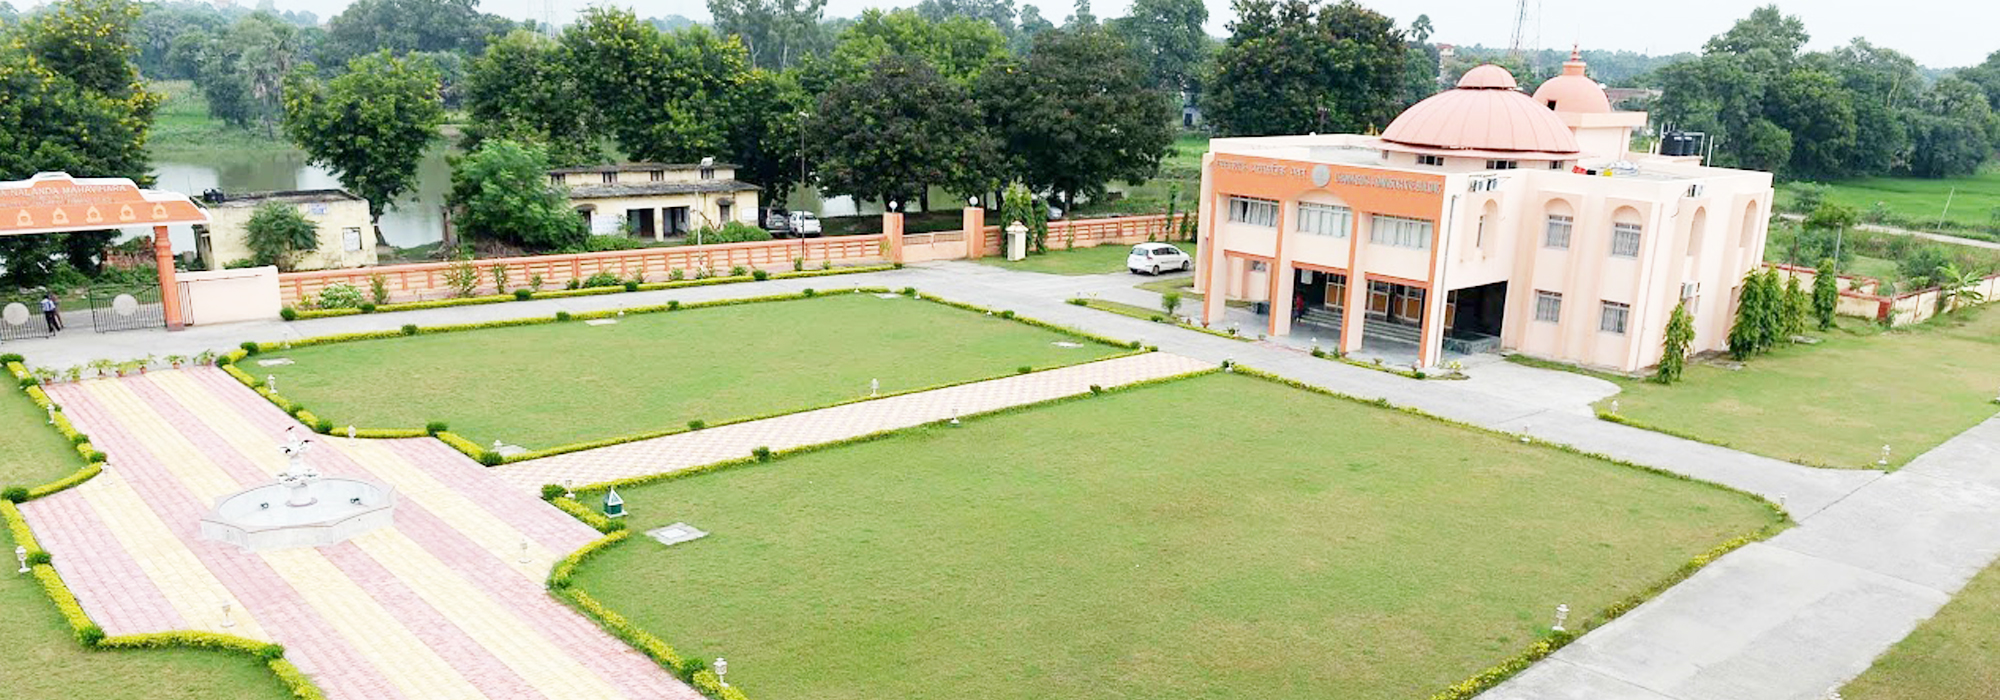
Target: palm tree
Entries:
(1958, 287)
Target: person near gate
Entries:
(51, 313)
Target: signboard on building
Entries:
(56, 203)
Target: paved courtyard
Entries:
(440, 605)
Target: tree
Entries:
(522, 89)
(501, 191)
(1289, 70)
(1922, 266)
(73, 102)
(1958, 287)
(277, 234)
(1168, 38)
(959, 49)
(1775, 307)
(242, 71)
(1032, 23)
(406, 26)
(1797, 307)
(1078, 114)
(1021, 205)
(1082, 17)
(776, 33)
(1825, 294)
(1673, 356)
(763, 124)
(659, 93)
(898, 131)
(369, 126)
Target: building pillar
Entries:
(892, 235)
(170, 290)
(973, 221)
(1356, 312)
(1282, 279)
(660, 224)
(1215, 273)
(1431, 328)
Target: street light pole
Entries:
(802, 183)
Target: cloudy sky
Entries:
(1938, 33)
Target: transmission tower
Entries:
(1527, 18)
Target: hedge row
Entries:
(306, 314)
(587, 514)
(1138, 313)
(1494, 675)
(93, 460)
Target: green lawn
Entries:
(552, 384)
(182, 124)
(1837, 403)
(40, 660)
(31, 452)
(1949, 656)
(1973, 199)
(1081, 261)
(1217, 537)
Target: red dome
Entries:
(1573, 91)
(1484, 113)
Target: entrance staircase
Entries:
(1373, 329)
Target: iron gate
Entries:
(126, 308)
(21, 318)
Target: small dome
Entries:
(1484, 113)
(1573, 91)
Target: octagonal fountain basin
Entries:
(328, 510)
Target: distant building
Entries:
(1483, 218)
(346, 236)
(658, 200)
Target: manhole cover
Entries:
(676, 533)
(125, 305)
(16, 314)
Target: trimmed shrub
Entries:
(696, 425)
(11, 358)
(39, 557)
(759, 275)
(552, 492)
(1023, 369)
(562, 315)
(1096, 388)
(1079, 301)
(434, 427)
(409, 329)
(288, 313)
(523, 294)
(249, 348)
(673, 304)
(631, 286)
(808, 292)
(908, 291)
(1009, 313)
(491, 458)
(763, 454)
(367, 307)
(14, 494)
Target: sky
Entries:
(1949, 33)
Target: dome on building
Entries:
(1486, 112)
(1573, 91)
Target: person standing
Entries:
(51, 312)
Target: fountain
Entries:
(301, 509)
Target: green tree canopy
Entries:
(659, 93)
(278, 234)
(1168, 38)
(1825, 294)
(1078, 114)
(522, 89)
(406, 26)
(241, 72)
(1674, 348)
(370, 126)
(501, 191)
(1291, 68)
(900, 130)
(959, 49)
(776, 33)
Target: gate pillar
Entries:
(170, 292)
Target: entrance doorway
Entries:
(1395, 303)
(640, 222)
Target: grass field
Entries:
(1217, 537)
(182, 124)
(1837, 403)
(40, 660)
(1081, 261)
(1973, 199)
(31, 453)
(552, 384)
(1949, 656)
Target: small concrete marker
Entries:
(274, 362)
(600, 322)
(676, 533)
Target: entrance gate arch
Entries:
(58, 203)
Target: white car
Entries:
(803, 224)
(1154, 258)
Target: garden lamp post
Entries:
(52, 414)
(803, 116)
(1562, 615)
(21, 555)
(228, 620)
(1884, 461)
(722, 671)
(271, 382)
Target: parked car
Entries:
(804, 224)
(1154, 258)
(777, 223)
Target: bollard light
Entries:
(569, 489)
(271, 382)
(1562, 615)
(1614, 407)
(21, 554)
(228, 620)
(874, 387)
(52, 414)
(351, 432)
(1884, 461)
(722, 669)
(954, 416)
(524, 552)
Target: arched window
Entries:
(1560, 222)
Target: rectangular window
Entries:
(1625, 240)
(1612, 319)
(1502, 164)
(1557, 234)
(1430, 160)
(1555, 165)
(350, 239)
(1325, 219)
(1400, 232)
(708, 173)
(1256, 212)
(659, 175)
(1548, 307)
(610, 178)
(556, 179)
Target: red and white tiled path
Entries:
(438, 606)
(692, 449)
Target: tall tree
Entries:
(1825, 294)
(659, 93)
(1082, 17)
(1032, 23)
(1674, 349)
(1287, 69)
(73, 102)
(501, 191)
(776, 33)
(242, 72)
(1000, 13)
(522, 88)
(959, 49)
(370, 126)
(763, 126)
(1078, 114)
(277, 234)
(405, 26)
(898, 131)
(1167, 36)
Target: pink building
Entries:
(1482, 219)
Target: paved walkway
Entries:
(693, 449)
(441, 605)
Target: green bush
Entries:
(562, 315)
(1007, 313)
(38, 557)
(324, 426)
(523, 294)
(79, 439)
(808, 292)
(1023, 369)
(10, 358)
(602, 279)
(552, 492)
(908, 291)
(673, 304)
(434, 427)
(738, 271)
(89, 635)
(409, 329)
(1096, 388)
(763, 454)
(340, 295)
(676, 275)
(250, 348)
(491, 458)
(759, 275)
(288, 313)
(631, 286)
(1079, 302)
(367, 307)
(696, 424)
(14, 494)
